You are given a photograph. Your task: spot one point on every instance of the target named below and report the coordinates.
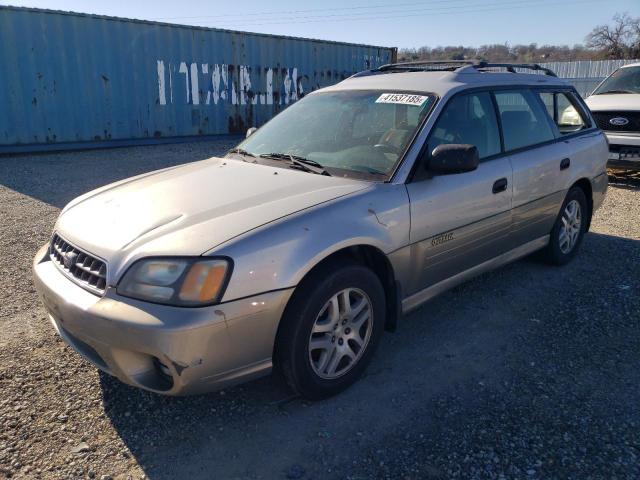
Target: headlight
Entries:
(189, 282)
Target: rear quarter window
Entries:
(562, 110)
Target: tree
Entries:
(621, 40)
(501, 53)
(635, 42)
(618, 41)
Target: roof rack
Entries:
(428, 65)
(511, 67)
(453, 66)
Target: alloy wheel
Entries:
(340, 333)
(571, 226)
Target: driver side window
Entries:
(468, 119)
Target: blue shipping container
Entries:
(70, 78)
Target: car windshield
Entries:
(360, 134)
(623, 80)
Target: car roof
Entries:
(442, 82)
(631, 65)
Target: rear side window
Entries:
(468, 119)
(563, 112)
(524, 119)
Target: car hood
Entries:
(192, 208)
(614, 101)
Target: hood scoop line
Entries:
(160, 223)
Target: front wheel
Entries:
(569, 229)
(330, 330)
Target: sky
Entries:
(403, 23)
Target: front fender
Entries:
(278, 255)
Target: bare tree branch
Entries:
(616, 40)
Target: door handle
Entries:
(565, 163)
(500, 185)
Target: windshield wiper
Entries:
(241, 151)
(298, 161)
(374, 171)
(616, 91)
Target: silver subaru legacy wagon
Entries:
(350, 208)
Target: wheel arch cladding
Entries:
(585, 185)
(374, 259)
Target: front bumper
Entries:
(624, 150)
(169, 350)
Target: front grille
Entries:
(603, 120)
(625, 152)
(84, 269)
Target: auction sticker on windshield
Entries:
(402, 99)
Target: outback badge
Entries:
(442, 238)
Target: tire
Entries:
(317, 305)
(568, 232)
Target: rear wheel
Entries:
(330, 330)
(569, 229)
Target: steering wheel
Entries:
(385, 147)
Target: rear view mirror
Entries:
(453, 158)
(251, 131)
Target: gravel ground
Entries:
(527, 372)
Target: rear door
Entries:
(538, 163)
(460, 220)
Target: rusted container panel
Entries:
(72, 78)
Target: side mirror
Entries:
(453, 158)
(251, 131)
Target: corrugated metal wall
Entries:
(72, 78)
(586, 75)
